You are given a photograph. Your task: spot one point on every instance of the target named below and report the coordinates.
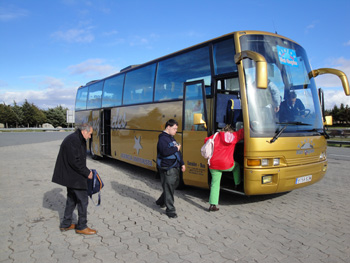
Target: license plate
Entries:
(303, 179)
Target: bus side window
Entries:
(80, 102)
(174, 72)
(135, 83)
(95, 95)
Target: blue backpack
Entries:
(176, 156)
(94, 186)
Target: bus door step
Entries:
(232, 191)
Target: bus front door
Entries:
(194, 130)
(105, 134)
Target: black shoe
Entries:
(161, 205)
(172, 215)
(213, 208)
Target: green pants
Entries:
(215, 182)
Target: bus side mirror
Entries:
(343, 78)
(329, 121)
(261, 66)
(197, 119)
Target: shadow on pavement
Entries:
(56, 201)
(187, 194)
(136, 194)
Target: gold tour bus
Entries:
(244, 79)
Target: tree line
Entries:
(29, 115)
(341, 115)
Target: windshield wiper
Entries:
(278, 133)
(294, 123)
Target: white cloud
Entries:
(335, 97)
(110, 33)
(143, 41)
(138, 41)
(311, 26)
(75, 35)
(53, 93)
(47, 98)
(11, 13)
(347, 43)
(93, 68)
(331, 84)
(332, 81)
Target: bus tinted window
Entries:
(139, 85)
(224, 61)
(80, 102)
(95, 95)
(173, 72)
(112, 91)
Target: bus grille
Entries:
(303, 160)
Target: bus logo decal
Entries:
(306, 147)
(287, 56)
(118, 121)
(137, 145)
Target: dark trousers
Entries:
(76, 198)
(170, 181)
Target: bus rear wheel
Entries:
(93, 155)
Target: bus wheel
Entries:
(93, 155)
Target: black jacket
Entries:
(166, 147)
(70, 169)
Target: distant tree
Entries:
(39, 116)
(28, 114)
(32, 115)
(335, 114)
(57, 116)
(18, 111)
(343, 114)
(3, 114)
(340, 115)
(7, 115)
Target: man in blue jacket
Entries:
(168, 152)
(71, 171)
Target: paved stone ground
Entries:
(306, 225)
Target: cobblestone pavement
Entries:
(306, 225)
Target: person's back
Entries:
(222, 161)
(224, 146)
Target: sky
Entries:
(49, 48)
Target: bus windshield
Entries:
(291, 100)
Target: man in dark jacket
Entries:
(71, 171)
(168, 151)
(292, 108)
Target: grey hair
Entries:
(85, 127)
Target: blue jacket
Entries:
(167, 147)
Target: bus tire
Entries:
(93, 155)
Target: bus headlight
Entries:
(264, 162)
(322, 156)
(266, 179)
(276, 161)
